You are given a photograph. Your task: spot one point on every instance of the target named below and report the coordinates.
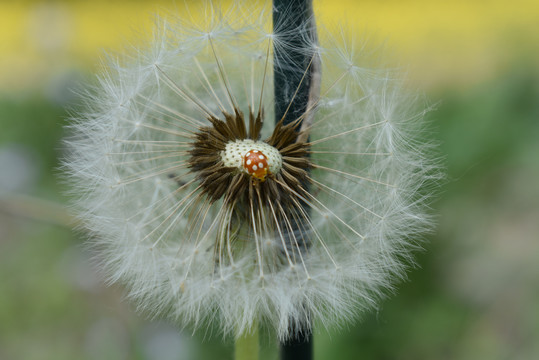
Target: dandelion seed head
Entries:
(163, 160)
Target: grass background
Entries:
(475, 295)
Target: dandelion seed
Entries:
(207, 213)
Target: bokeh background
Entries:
(475, 294)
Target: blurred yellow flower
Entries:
(448, 41)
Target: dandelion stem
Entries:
(298, 349)
(293, 51)
(247, 345)
(296, 81)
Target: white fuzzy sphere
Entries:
(161, 238)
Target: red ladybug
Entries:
(256, 164)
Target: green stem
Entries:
(247, 345)
(295, 26)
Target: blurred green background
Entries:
(476, 293)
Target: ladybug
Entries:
(255, 163)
